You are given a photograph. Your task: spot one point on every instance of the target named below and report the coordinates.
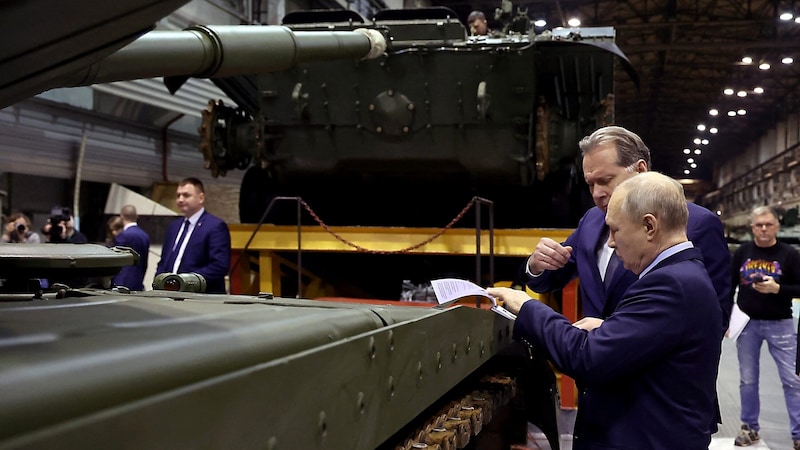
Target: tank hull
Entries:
(177, 370)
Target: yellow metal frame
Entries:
(456, 241)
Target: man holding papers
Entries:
(768, 275)
(646, 374)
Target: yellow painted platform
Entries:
(455, 241)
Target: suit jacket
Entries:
(651, 367)
(132, 276)
(207, 253)
(704, 229)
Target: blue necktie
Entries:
(613, 263)
(177, 247)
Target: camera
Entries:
(58, 215)
(20, 228)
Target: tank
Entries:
(98, 368)
(408, 138)
(433, 119)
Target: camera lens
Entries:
(20, 228)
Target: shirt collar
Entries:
(196, 216)
(677, 248)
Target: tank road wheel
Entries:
(227, 138)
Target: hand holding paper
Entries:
(512, 299)
(450, 290)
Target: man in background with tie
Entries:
(611, 155)
(199, 243)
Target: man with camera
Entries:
(18, 230)
(60, 228)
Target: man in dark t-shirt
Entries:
(767, 274)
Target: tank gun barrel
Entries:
(220, 51)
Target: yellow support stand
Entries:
(455, 241)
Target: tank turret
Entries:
(438, 118)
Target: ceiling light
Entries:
(728, 91)
(713, 130)
(797, 19)
(758, 90)
(713, 112)
(701, 127)
(686, 151)
(741, 94)
(764, 66)
(786, 16)
(697, 151)
(686, 171)
(747, 60)
(741, 112)
(704, 142)
(540, 23)
(731, 113)
(696, 140)
(690, 160)
(574, 22)
(693, 166)
(787, 60)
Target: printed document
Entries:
(450, 290)
(737, 322)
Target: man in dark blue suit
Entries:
(611, 155)
(199, 242)
(646, 374)
(132, 277)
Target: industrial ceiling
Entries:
(686, 53)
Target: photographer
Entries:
(60, 228)
(18, 230)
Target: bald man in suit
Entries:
(132, 236)
(646, 375)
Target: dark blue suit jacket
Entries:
(650, 369)
(208, 251)
(132, 276)
(704, 229)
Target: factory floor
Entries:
(774, 420)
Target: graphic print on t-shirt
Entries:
(753, 269)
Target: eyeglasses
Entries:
(763, 225)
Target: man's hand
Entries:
(549, 255)
(588, 323)
(512, 299)
(767, 285)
